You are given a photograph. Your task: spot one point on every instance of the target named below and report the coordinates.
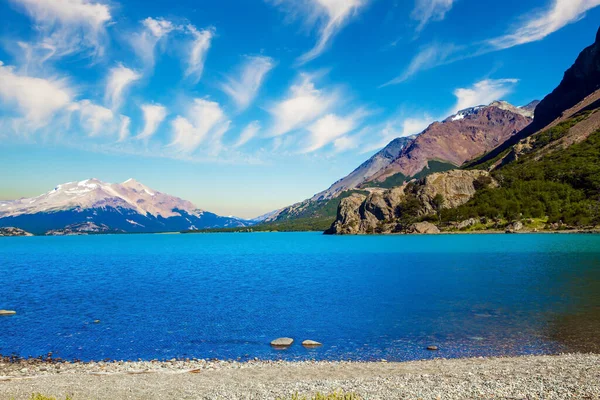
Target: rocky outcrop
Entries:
(12, 231)
(390, 211)
(423, 228)
(458, 139)
(582, 79)
(85, 228)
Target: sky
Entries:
(246, 106)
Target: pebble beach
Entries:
(568, 376)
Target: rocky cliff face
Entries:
(458, 139)
(391, 211)
(582, 79)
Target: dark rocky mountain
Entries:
(93, 206)
(579, 81)
(12, 231)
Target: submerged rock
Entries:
(311, 343)
(7, 312)
(282, 342)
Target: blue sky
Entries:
(245, 106)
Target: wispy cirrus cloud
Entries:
(119, 79)
(244, 88)
(154, 115)
(430, 10)
(329, 16)
(538, 25)
(204, 121)
(145, 41)
(249, 132)
(66, 26)
(198, 50)
(303, 104)
(36, 100)
(124, 125)
(94, 119)
(533, 27)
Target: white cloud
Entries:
(124, 128)
(428, 57)
(329, 15)
(531, 29)
(249, 132)
(304, 104)
(199, 47)
(330, 128)
(145, 41)
(119, 78)
(542, 24)
(345, 143)
(36, 99)
(243, 89)
(93, 118)
(67, 26)
(154, 114)
(482, 93)
(396, 127)
(427, 10)
(204, 120)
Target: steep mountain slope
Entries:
(468, 134)
(360, 175)
(126, 207)
(580, 81)
(549, 179)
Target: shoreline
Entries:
(550, 376)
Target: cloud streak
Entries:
(329, 16)
(67, 26)
(204, 120)
(303, 105)
(482, 93)
(154, 114)
(536, 26)
(244, 89)
(144, 42)
(37, 100)
(119, 79)
(430, 10)
(198, 50)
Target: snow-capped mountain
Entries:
(126, 207)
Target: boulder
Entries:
(311, 343)
(432, 348)
(514, 227)
(423, 228)
(7, 312)
(466, 223)
(282, 342)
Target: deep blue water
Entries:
(365, 297)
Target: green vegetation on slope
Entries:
(563, 185)
(307, 216)
(399, 179)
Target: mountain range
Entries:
(545, 176)
(93, 206)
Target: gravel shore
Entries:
(573, 376)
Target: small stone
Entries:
(282, 342)
(432, 348)
(96, 321)
(311, 343)
(7, 312)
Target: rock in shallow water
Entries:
(7, 312)
(282, 342)
(433, 348)
(311, 343)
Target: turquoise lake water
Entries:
(364, 297)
